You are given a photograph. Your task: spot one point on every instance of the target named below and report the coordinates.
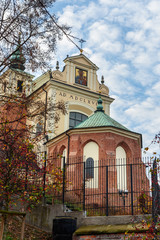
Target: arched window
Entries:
(91, 158)
(89, 168)
(63, 157)
(39, 128)
(75, 118)
(121, 169)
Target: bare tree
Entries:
(38, 27)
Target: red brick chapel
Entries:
(97, 144)
(100, 137)
(99, 141)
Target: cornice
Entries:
(78, 90)
(121, 132)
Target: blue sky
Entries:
(123, 40)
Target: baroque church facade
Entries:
(86, 132)
(77, 85)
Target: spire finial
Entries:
(102, 79)
(57, 65)
(99, 103)
(82, 41)
(17, 59)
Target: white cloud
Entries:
(122, 39)
(154, 91)
(154, 7)
(70, 18)
(146, 115)
(135, 36)
(108, 2)
(156, 69)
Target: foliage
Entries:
(21, 173)
(154, 169)
(155, 140)
(54, 180)
(39, 29)
(9, 237)
(17, 166)
(22, 111)
(31, 232)
(145, 203)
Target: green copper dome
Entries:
(17, 59)
(99, 105)
(100, 119)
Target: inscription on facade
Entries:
(77, 98)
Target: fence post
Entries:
(64, 171)
(131, 188)
(155, 193)
(84, 184)
(44, 178)
(106, 190)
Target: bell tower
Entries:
(15, 80)
(17, 59)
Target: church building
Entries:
(77, 85)
(86, 121)
(87, 124)
(86, 134)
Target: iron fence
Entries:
(106, 187)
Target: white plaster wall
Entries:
(64, 154)
(50, 125)
(91, 150)
(121, 169)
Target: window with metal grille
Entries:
(19, 86)
(39, 128)
(89, 168)
(75, 118)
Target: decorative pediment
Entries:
(81, 60)
(57, 75)
(104, 89)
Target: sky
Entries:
(123, 40)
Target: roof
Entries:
(81, 56)
(100, 119)
(21, 71)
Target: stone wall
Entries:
(128, 231)
(93, 228)
(42, 216)
(119, 236)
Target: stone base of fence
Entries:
(42, 216)
(118, 236)
(116, 232)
